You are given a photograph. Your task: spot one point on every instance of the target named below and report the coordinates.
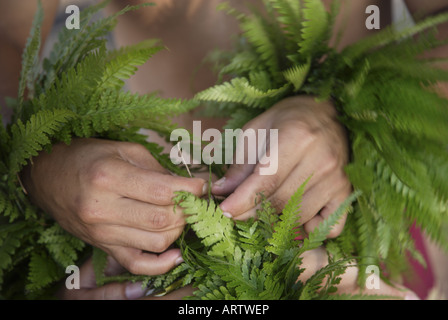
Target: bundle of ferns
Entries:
(383, 91)
(386, 96)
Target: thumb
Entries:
(116, 291)
(112, 291)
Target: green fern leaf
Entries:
(30, 138)
(239, 90)
(62, 246)
(297, 75)
(30, 59)
(211, 226)
(43, 272)
(314, 26)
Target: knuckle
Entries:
(97, 175)
(89, 214)
(335, 231)
(343, 183)
(159, 219)
(162, 194)
(270, 183)
(133, 266)
(278, 203)
(136, 148)
(161, 244)
(98, 235)
(301, 132)
(331, 162)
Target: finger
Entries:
(89, 291)
(137, 155)
(349, 284)
(112, 291)
(283, 193)
(238, 171)
(324, 214)
(318, 192)
(141, 263)
(113, 268)
(147, 217)
(144, 185)
(134, 238)
(315, 259)
(176, 295)
(312, 202)
(245, 196)
(131, 213)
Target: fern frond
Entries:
(289, 17)
(315, 286)
(389, 35)
(320, 234)
(11, 239)
(122, 66)
(211, 226)
(62, 246)
(242, 274)
(99, 262)
(30, 59)
(43, 271)
(30, 138)
(74, 45)
(239, 90)
(314, 26)
(285, 231)
(297, 75)
(259, 35)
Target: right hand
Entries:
(115, 196)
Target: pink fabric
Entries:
(422, 279)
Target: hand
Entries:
(311, 142)
(316, 259)
(88, 290)
(312, 261)
(115, 196)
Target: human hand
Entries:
(312, 261)
(115, 196)
(316, 259)
(311, 142)
(88, 289)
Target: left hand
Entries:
(113, 291)
(88, 289)
(311, 142)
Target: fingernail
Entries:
(179, 261)
(227, 214)
(220, 183)
(134, 291)
(205, 189)
(411, 296)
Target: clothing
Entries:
(421, 280)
